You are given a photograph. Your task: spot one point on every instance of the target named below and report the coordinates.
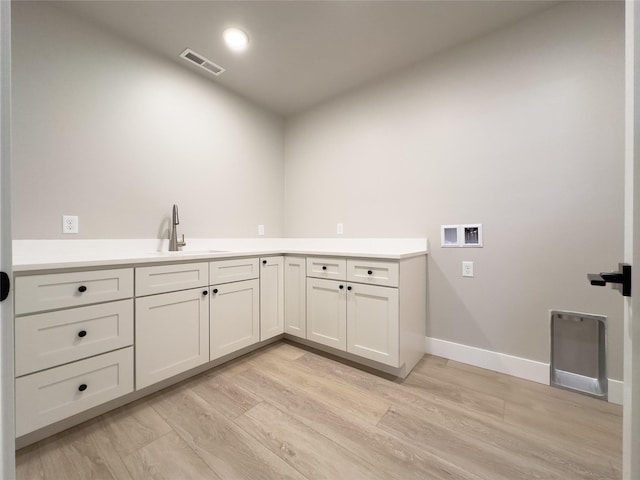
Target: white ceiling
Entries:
(303, 52)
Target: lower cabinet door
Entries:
(327, 312)
(235, 317)
(172, 334)
(45, 397)
(295, 296)
(271, 297)
(373, 323)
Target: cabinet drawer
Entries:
(35, 293)
(225, 271)
(169, 278)
(373, 272)
(327, 267)
(49, 339)
(46, 397)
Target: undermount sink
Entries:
(186, 253)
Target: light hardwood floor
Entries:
(284, 412)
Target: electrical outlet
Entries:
(339, 228)
(69, 224)
(260, 229)
(467, 269)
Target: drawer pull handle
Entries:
(205, 292)
(82, 289)
(82, 333)
(370, 272)
(349, 288)
(341, 287)
(215, 290)
(264, 262)
(82, 387)
(324, 267)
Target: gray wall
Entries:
(109, 132)
(521, 131)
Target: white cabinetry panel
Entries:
(373, 323)
(235, 270)
(235, 317)
(46, 397)
(172, 334)
(170, 278)
(271, 297)
(327, 312)
(48, 339)
(295, 294)
(35, 293)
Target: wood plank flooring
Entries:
(285, 412)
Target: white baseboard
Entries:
(503, 363)
(616, 391)
(498, 362)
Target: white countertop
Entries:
(31, 255)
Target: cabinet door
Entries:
(235, 317)
(295, 296)
(271, 297)
(327, 312)
(372, 325)
(172, 334)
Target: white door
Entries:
(327, 312)
(172, 334)
(373, 323)
(271, 297)
(7, 423)
(235, 317)
(295, 304)
(631, 408)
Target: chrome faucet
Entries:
(174, 244)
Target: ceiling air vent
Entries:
(202, 62)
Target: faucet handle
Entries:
(182, 243)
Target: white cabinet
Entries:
(295, 296)
(235, 317)
(377, 314)
(172, 334)
(35, 293)
(71, 359)
(48, 339)
(51, 395)
(171, 278)
(327, 312)
(271, 297)
(373, 323)
(234, 270)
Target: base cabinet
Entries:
(295, 296)
(172, 334)
(235, 317)
(271, 297)
(327, 312)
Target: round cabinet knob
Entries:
(82, 289)
(82, 333)
(324, 267)
(205, 292)
(264, 262)
(370, 272)
(82, 387)
(349, 288)
(341, 287)
(215, 290)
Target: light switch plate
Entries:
(260, 229)
(339, 228)
(467, 269)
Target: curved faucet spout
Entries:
(174, 244)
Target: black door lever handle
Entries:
(621, 277)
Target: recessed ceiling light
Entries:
(236, 39)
